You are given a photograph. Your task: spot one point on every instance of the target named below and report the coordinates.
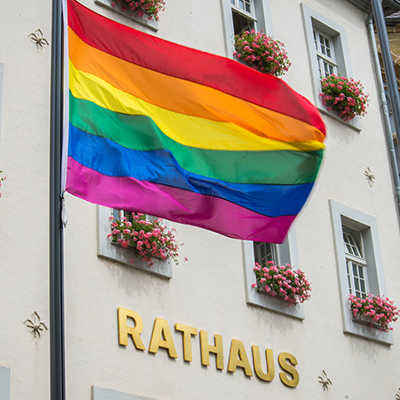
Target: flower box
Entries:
(344, 96)
(141, 8)
(283, 282)
(148, 239)
(261, 52)
(374, 311)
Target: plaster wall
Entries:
(208, 291)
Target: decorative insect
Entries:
(36, 325)
(324, 380)
(38, 38)
(369, 175)
(397, 395)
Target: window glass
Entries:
(356, 264)
(325, 54)
(264, 252)
(241, 23)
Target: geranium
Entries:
(344, 96)
(150, 8)
(282, 281)
(261, 52)
(379, 311)
(149, 239)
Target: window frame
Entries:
(262, 16)
(321, 56)
(105, 249)
(358, 259)
(287, 254)
(313, 21)
(343, 216)
(4, 383)
(143, 21)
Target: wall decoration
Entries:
(38, 38)
(324, 380)
(2, 179)
(37, 326)
(370, 176)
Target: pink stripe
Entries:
(175, 204)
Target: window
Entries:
(359, 266)
(356, 264)
(260, 252)
(327, 50)
(121, 255)
(143, 21)
(241, 15)
(109, 394)
(4, 383)
(264, 252)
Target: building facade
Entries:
(199, 329)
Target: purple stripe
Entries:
(175, 204)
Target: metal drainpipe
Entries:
(386, 118)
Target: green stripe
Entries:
(139, 132)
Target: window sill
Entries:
(360, 329)
(113, 252)
(147, 23)
(274, 304)
(354, 124)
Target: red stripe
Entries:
(193, 65)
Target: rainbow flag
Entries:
(185, 135)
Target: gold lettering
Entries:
(188, 332)
(124, 330)
(269, 356)
(206, 349)
(162, 337)
(287, 362)
(238, 358)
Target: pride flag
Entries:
(182, 134)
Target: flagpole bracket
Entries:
(64, 215)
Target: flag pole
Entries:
(57, 356)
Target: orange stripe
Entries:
(187, 97)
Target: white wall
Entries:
(207, 292)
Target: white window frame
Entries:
(105, 248)
(315, 22)
(286, 254)
(344, 217)
(250, 14)
(4, 383)
(143, 21)
(99, 393)
(261, 16)
(322, 57)
(360, 263)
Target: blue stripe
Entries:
(159, 166)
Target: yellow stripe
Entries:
(185, 129)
